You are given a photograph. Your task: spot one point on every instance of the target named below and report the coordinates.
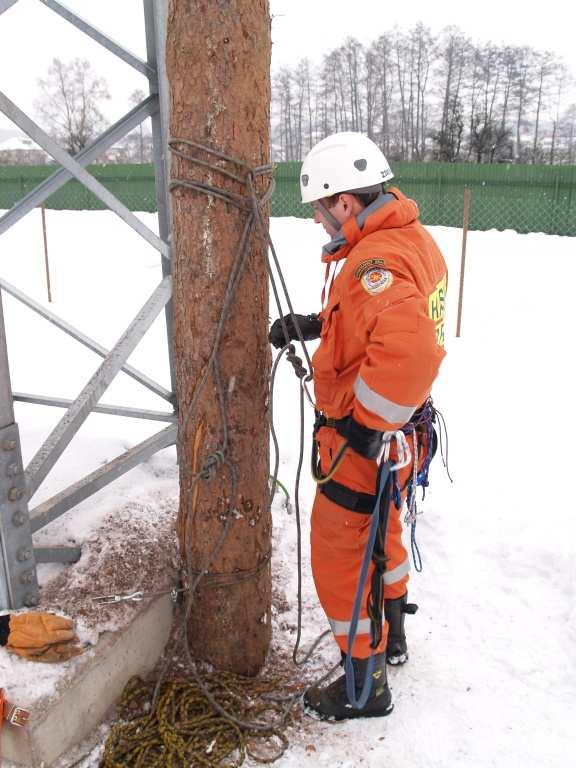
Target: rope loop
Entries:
(211, 465)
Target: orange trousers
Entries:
(338, 542)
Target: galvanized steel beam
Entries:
(29, 127)
(52, 184)
(100, 37)
(112, 410)
(78, 412)
(65, 555)
(52, 508)
(155, 24)
(6, 409)
(5, 4)
(134, 373)
(18, 583)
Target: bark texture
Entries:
(218, 60)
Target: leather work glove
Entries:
(365, 441)
(39, 636)
(310, 327)
(50, 654)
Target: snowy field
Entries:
(491, 681)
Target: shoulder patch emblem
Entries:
(376, 280)
(367, 264)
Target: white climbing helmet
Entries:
(343, 162)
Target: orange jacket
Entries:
(383, 324)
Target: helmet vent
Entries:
(361, 164)
(305, 180)
(326, 186)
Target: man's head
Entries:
(340, 176)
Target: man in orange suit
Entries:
(381, 333)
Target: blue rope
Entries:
(384, 477)
(416, 556)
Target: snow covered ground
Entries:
(491, 680)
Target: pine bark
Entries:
(218, 62)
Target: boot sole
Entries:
(355, 714)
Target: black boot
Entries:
(331, 702)
(394, 612)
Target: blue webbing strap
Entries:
(384, 479)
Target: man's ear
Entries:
(350, 204)
(346, 201)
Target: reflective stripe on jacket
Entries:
(383, 324)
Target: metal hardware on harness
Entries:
(402, 447)
(136, 597)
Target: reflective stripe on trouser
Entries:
(338, 540)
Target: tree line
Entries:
(422, 96)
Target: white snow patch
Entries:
(491, 681)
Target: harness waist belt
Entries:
(355, 501)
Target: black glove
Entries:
(310, 327)
(365, 441)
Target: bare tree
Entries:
(453, 50)
(140, 139)
(422, 56)
(70, 100)
(353, 61)
(484, 135)
(567, 132)
(545, 65)
(523, 92)
(381, 53)
(401, 53)
(561, 82)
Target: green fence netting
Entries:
(519, 197)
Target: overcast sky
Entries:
(31, 34)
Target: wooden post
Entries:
(465, 225)
(46, 263)
(218, 63)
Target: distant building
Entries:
(118, 153)
(21, 150)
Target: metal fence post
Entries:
(18, 582)
(46, 262)
(465, 225)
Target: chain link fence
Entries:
(519, 197)
(132, 184)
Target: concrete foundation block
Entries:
(65, 718)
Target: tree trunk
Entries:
(218, 61)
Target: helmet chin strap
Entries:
(332, 220)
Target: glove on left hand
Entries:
(365, 441)
(310, 327)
